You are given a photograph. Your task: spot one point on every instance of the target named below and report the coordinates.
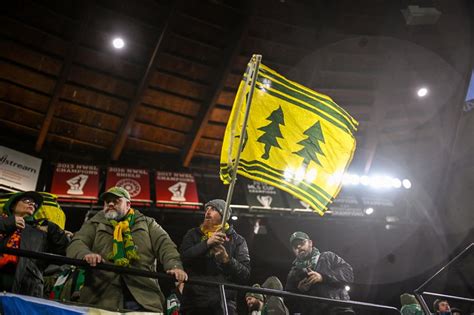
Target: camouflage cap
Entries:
(116, 192)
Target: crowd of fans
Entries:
(125, 237)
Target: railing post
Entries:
(223, 300)
(423, 304)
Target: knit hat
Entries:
(219, 204)
(407, 299)
(273, 282)
(258, 296)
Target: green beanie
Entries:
(258, 296)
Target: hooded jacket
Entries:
(104, 288)
(199, 264)
(274, 305)
(28, 277)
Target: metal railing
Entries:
(419, 292)
(58, 260)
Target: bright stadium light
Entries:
(346, 179)
(422, 92)
(299, 176)
(355, 179)
(118, 43)
(406, 183)
(310, 175)
(376, 181)
(288, 174)
(266, 84)
(396, 183)
(369, 211)
(234, 218)
(365, 180)
(347, 288)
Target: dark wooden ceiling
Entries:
(170, 90)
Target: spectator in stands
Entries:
(213, 252)
(125, 237)
(410, 305)
(319, 274)
(275, 304)
(255, 302)
(19, 229)
(267, 304)
(441, 306)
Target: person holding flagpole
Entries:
(213, 251)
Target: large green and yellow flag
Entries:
(297, 139)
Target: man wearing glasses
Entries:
(125, 237)
(319, 274)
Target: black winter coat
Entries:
(29, 272)
(199, 264)
(336, 274)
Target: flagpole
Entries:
(256, 59)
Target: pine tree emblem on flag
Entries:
(296, 139)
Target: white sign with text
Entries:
(18, 171)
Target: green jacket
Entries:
(104, 288)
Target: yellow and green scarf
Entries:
(124, 250)
(207, 232)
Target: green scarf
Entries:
(309, 262)
(124, 250)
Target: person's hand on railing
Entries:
(19, 223)
(179, 274)
(93, 259)
(221, 254)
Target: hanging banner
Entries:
(135, 181)
(346, 204)
(176, 190)
(75, 182)
(263, 196)
(361, 202)
(18, 171)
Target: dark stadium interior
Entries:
(163, 102)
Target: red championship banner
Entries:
(135, 181)
(75, 182)
(176, 190)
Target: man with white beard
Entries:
(125, 237)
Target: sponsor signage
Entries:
(262, 196)
(135, 181)
(76, 182)
(176, 190)
(18, 171)
(359, 202)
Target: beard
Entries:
(113, 215)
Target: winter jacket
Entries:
(104, 288)
(200, 264)
(28, 278)
(336, 273)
